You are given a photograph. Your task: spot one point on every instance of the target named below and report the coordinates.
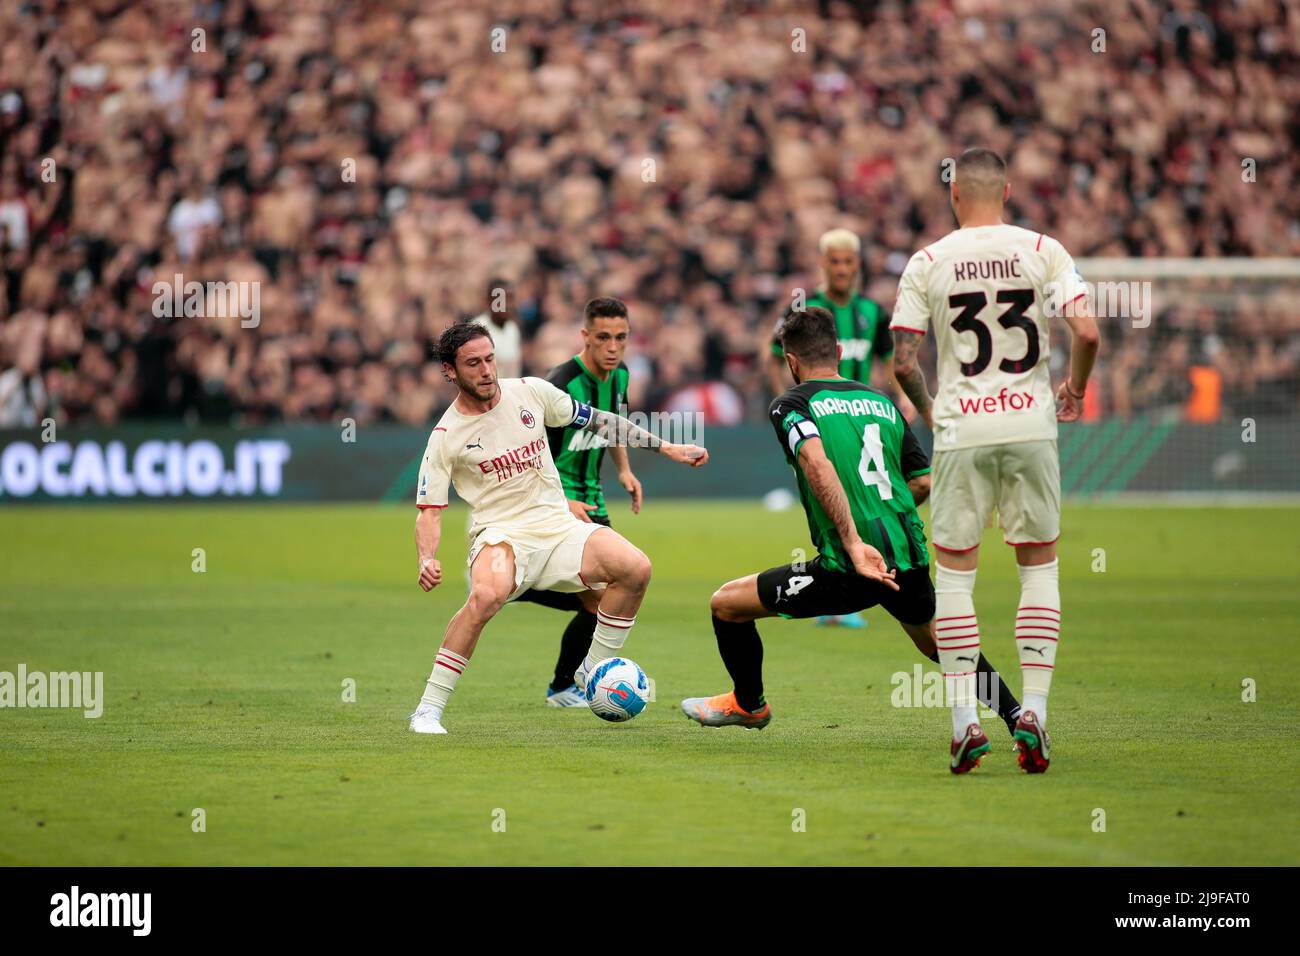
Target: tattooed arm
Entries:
(826, 487)
(621, 433)
(909, 375)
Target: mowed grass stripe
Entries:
(224, 692)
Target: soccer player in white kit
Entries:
(491, 445)
(989, 289)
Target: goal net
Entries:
(1197, 389)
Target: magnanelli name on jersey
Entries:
(874, 454)
(857, 406)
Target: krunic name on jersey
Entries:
(987, 269)
(985, 292)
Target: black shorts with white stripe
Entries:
(814, 590)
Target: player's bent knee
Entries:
(635, 570)
(642, 569)
(726, 604)
(484, 601)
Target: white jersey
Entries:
(989, 290)
(499, 462)
(507, 343)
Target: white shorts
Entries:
(1020, 480)
(552, 563)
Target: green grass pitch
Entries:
(224, 692)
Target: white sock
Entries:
(957, 635)
(1038, 631)
(607, 640)
(1038, 704)
(447, 669)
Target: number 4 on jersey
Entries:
(872, 465)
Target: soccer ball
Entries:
(617, 689)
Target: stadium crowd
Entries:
(372, 166)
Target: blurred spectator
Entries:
(373, 165)
(500, 319)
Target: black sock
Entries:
(989, 680)
(742, 653)
(573, 648)
(1007, 706)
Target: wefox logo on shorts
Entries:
(103, 909)
(1015, 401)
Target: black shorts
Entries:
(816, 591)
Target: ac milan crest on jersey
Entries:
(527, 418)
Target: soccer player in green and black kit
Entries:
(597, 377)
(863, 329)
(860, 472)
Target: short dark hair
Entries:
(454, 336)
(604, 307)
(981, 173)
(809, 335)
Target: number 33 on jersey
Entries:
(989, 291)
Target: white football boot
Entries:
(569, 697)
(423, 721)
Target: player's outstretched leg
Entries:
(1038, 631)
(735, 607)
(611, 559)
(492, 580)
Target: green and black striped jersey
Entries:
(579, 452)
(862, 327)
(874, 453)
